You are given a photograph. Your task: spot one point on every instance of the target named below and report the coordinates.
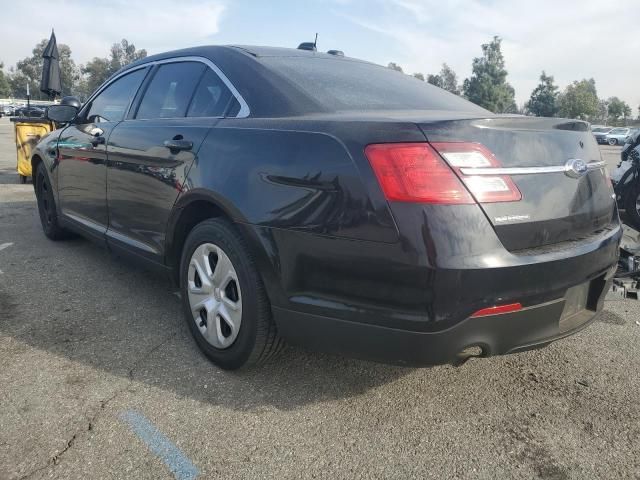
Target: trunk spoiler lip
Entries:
(529, 170)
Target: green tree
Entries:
(124, 53)
(579, 100)
(542, 102)
(446, 79)
(617, 108)
(96, 71)
(394, 66)
(5, 86)
(603, 111)
(419, 76)
(29, 70)
(488, 85)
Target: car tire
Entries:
(217, 270)
(613, 141)
(47, 206)
(632, 208)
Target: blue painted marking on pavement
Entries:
(181, 467)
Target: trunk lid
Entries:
(555, 207)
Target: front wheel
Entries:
(225, 303)
(632, 207)
(613, 141)
(47, 206)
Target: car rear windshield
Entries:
(344, 85)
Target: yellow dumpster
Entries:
(28, 133)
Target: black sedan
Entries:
(323, 200)
(30, 111)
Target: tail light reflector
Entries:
(414, 172)
(485, 188)
(511, 307)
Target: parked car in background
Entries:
(617, 136)
(337, 204)
(30, 111)
(600, 132)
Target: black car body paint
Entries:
(347, 270)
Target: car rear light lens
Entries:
(485, 188)
(414, 172)
(498, 309)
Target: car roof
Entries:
(260, 87)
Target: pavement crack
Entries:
(140, 361)
(89, 426)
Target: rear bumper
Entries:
(530, 328)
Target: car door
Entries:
(81, 169)
(151, 152)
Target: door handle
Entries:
(177, 144)
(97, 140)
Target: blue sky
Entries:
(569, 39)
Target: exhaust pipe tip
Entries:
(465, 354)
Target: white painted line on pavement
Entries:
(5, 245)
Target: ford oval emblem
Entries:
(575, 168)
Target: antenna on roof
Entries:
(315, 42)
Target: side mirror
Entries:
(61, 113)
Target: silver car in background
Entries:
(617, 136)
(600, 132)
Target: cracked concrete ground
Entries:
(85, 337)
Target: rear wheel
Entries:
(225, 304)
(613, 141)
(632, 207)
(47, 206)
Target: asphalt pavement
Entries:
(99, 378)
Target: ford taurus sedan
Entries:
(323, 200)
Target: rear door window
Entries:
(212, 97)
(170, 91)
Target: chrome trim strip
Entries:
(525, 170)
(244, 107)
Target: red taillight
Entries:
(414, 172)
(485, 188)
(511, 307)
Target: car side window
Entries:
(111, 104)
(170, 90)
(212, 97)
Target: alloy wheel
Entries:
(214, 294)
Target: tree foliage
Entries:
(5, 86)
(446, 79)
(419, 76)
(488, 85)
(29, 71)
(579, 100)
(542, 102)
(617, 109)
(394, 66)
(96, 71)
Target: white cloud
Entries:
(90, 28)
(568, 39)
